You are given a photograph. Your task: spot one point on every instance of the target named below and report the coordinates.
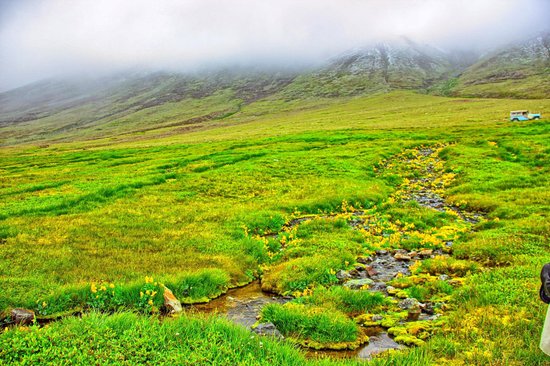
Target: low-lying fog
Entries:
(45, 38)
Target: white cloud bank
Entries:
(43, 38)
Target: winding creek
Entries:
(240, 305)
(243, 305)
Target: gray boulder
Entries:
(342, 275)
(22, 316)
(358, 283)
(409, 303)
(267, 329)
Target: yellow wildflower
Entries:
(93, 288)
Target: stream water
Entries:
(243, 305)
(240, 305)
(379, 341)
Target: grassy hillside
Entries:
(189, 208)
(129, 102)
(162, 103)
(139, 102)
(519, 71)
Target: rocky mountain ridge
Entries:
(55, 107)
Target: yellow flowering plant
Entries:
(103, 296)
(150, 296)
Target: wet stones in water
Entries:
(378, 286)
(428, 199)
(425, 253)
(364, 260)
(360, 271)
(371, 272)
(385, 267)
(426, 151)
(377, 344)
(409, 303)
(240, 305)
(356, 284)
(22, 316)
(412, 306)
(297, 221)
(267, 329)
(342, 275)
(472, 218)
(400, 256)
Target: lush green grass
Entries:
(344, 299)
(145, 296)
(129, 339)
(313, 252)
(311, 323)
(322, 318)
(186, 208)
(498, 78)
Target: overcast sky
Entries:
(44, 38)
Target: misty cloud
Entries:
(41, 39)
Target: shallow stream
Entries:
(240, 305)
(243, 305)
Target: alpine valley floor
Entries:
(422, 217)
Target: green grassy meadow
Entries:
(189, 208)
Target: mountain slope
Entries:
(159, 102)
(521, 70)
(401, 64)
(57, 109)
